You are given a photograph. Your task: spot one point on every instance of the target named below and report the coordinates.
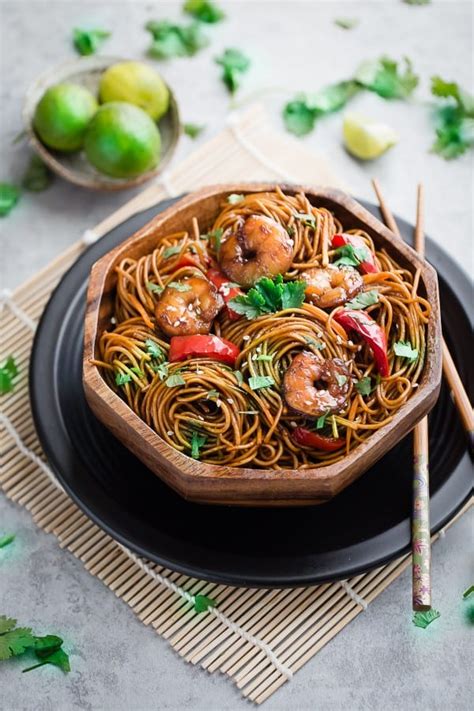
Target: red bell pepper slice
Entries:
(370, 331)
(200, 346)
(227, 292)
(307, 438)
(368, 266)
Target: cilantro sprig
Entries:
(197, 441)
(8, 371)
(350, 256)
(423, 619)
(15, 641)
(454, 119)
(234, 64)
(9, 196)
(172, 40)
(362, 300)
(387, 78)
(404, 349)
(268, 296)
(87, 42)
(193, 130)
(204, 11)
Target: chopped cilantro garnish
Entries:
(154, 288)
(454, 119)
(153, 349)
(423, 619)
(174, 380)
(306, 218)
(193, 130)
(321, 421)
(264, 357)
(179, 286)
(202, 603)
(239, 377)
(9, 196)
(204, 11)
(212, 394)
(137, 371)
(268, 296)
(362, 300)
(350, 256)
(404, 349)
(15, 641)
(257, 382)
(341, 380)
(173, 40)
(171, 251)
(311, 342)
(234, 198)
(234, 64)
(346, 23)
(6, 540)
(88, 41)
(197, 441)
(122, 378)
(364, 386)
(385, 78)
(8, 371)
(161, 370)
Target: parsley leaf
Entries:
(364, 386)
(423, 619)
(38, 176)
(14, 640)
(234, 64)
(234, 198)
(154, 288)
(350, 256)
(172, 40)
(59, 658)
(202, 603)
(153, 349)
(362, 300)
(7, 372)
(122, 378)
(6, 540)
(384, 77)
(454, 119)
(174, 380)
(404, 349)
(179, 286)
(347, 23)
(268, 296)
(197, 441)
(204, 11)
(301, 114)
(257, 382)
(9, 195)
(193, 130)
(88, 41)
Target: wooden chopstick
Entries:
(450, 372)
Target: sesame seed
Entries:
(320, 334)
(170, 433)
(350, 343)
(246, 338)
(219, 403)
(307, 402)
(190, 307)
(230, 401)
(415, 385)
(176, 324)
(293, 424)
(200, 417)
(338, 340)
(199, 372)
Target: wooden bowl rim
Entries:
(53, 161)
(292, 480)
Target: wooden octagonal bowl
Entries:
(210, 483)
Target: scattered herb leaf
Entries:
(6, 539)
(174, 380)
(362, 300)
(311, 342)
(264, 358)
(364, 386)
(137, 371)
(212, 394)
(215, 238)
(161, 370)
(202, 603)
(88, 41)
(454, 119)
(350, 256)
(171, 251)
(179, 286)
(423, 619)
(301, 114)
(341, 380)
(257, 382)
(384, 77)
(234, 64)
(6, 624)
(122, 378)
(239, 377)
(321, 421)
(154, 288)
(44, 646)
(347, 23)
(153, 349)
(14, 640)
(7, 372)
(306, 219)
(197, 441)
(38, 176)
(9, 195)
(404, 349)
(468, 592)
(59, 658)
(193, 130)
(417, 2)
(204, 11)
(172, 40)
(268, 296)
(234, 198)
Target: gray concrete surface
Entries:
(380, 661)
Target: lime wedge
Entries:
(367, 139)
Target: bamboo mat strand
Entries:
(259, 638)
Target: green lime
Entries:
(122, 140)
(138, 84)
(62, 116)
(367, 139)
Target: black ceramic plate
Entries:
(365, 526)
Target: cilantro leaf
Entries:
(362, 300)
(417, 2)
(122, 378)
(174, 380)
(268, 296)
(423, 619)
(364, 386)
(193, 129)
(306, 219)
(239, 377)
(202, 603)
(257, 382)
(161, 370)
(171, 251)
(88, 41)
(6, 624)
(346, 23)
(179, 286)
(467, 593)
(350, 256)
(301, 114)
(404, 349)
(7, 372)
(59, 658)
(153, 349)
(154, 288)
(212, 394)
(264, 358)
(204, 11)
(44, 646)
(341, 380)
(9, 196)
(197, 441)
(234, 198)
(384, 77)
(454, 119)
(321, 421)
(6, 539)
(38, 176)
(298, 118)
(234, 64)
(15, 641)
(215, 238)
(173, 40)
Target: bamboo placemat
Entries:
(259, 638)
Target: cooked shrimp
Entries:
(260, 247)
(315, 387)
(332, 286)
(188, 307)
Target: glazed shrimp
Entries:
(260, 247)
(188, 307)
(315, 387)
(332, 286)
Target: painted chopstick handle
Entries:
(421, 539)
